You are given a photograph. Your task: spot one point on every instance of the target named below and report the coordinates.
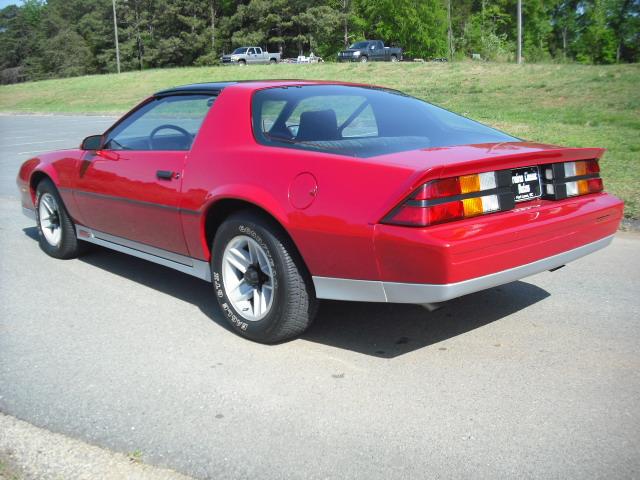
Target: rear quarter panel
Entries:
(334, 234)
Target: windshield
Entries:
(239, 51)
(359, 45)
(360, 121)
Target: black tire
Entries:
(69, 246)
(394, 58)
(242, 63)
(294, 303)
(364, 59)
(273, 61)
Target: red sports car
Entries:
(284, 192)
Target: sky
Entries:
(5, 3)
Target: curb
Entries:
(29, 452)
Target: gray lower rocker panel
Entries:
(192, 266)
(27, 212)
(394, 292)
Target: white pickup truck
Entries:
(250, 56)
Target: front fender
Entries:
(30, 173)
(59, 167)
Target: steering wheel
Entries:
(168, 126)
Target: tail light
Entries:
(448, 199)
(570, 179)
(454, 198)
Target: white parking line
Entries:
(34, 143)
(102, 124)
(36, 151)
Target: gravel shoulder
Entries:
(28, 452)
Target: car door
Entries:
(259, 55)
(131, 188)
(377, 52)
(252, 56)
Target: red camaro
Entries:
(284, 192)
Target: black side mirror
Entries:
(93, 142)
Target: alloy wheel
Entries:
(49, 214)
(247, 278)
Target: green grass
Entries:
(135, 456)
(6, 472)
(574, 105)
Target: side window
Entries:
(251, 51)
(258, 50)
(166, 123)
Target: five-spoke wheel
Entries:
(262, 286)
(57, 233)
(247, 277)
(49, 213)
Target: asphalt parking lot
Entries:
(538, 378)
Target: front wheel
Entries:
(260, 282)
(56, 231)
(364, 59)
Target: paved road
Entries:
(538, 378)
(24, 136)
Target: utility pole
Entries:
(345, 19)
(450, 33)
(213, 26)
(115, 30)
(519, 59)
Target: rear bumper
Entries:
(434, 264)
(395, 292)
(476, 247)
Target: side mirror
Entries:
(93, 142)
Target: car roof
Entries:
(195, 88)
(217, 87)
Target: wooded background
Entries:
(61, 38)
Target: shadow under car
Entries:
(377, 329)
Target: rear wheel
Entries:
(260, 282)
(56, 231)
(394, 58)
(273, 61)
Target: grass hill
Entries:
(576, 105)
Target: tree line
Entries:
(60, 38)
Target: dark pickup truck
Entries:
(370, 50)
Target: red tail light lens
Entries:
(595, 185)
(448, 199)
(438, 188)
